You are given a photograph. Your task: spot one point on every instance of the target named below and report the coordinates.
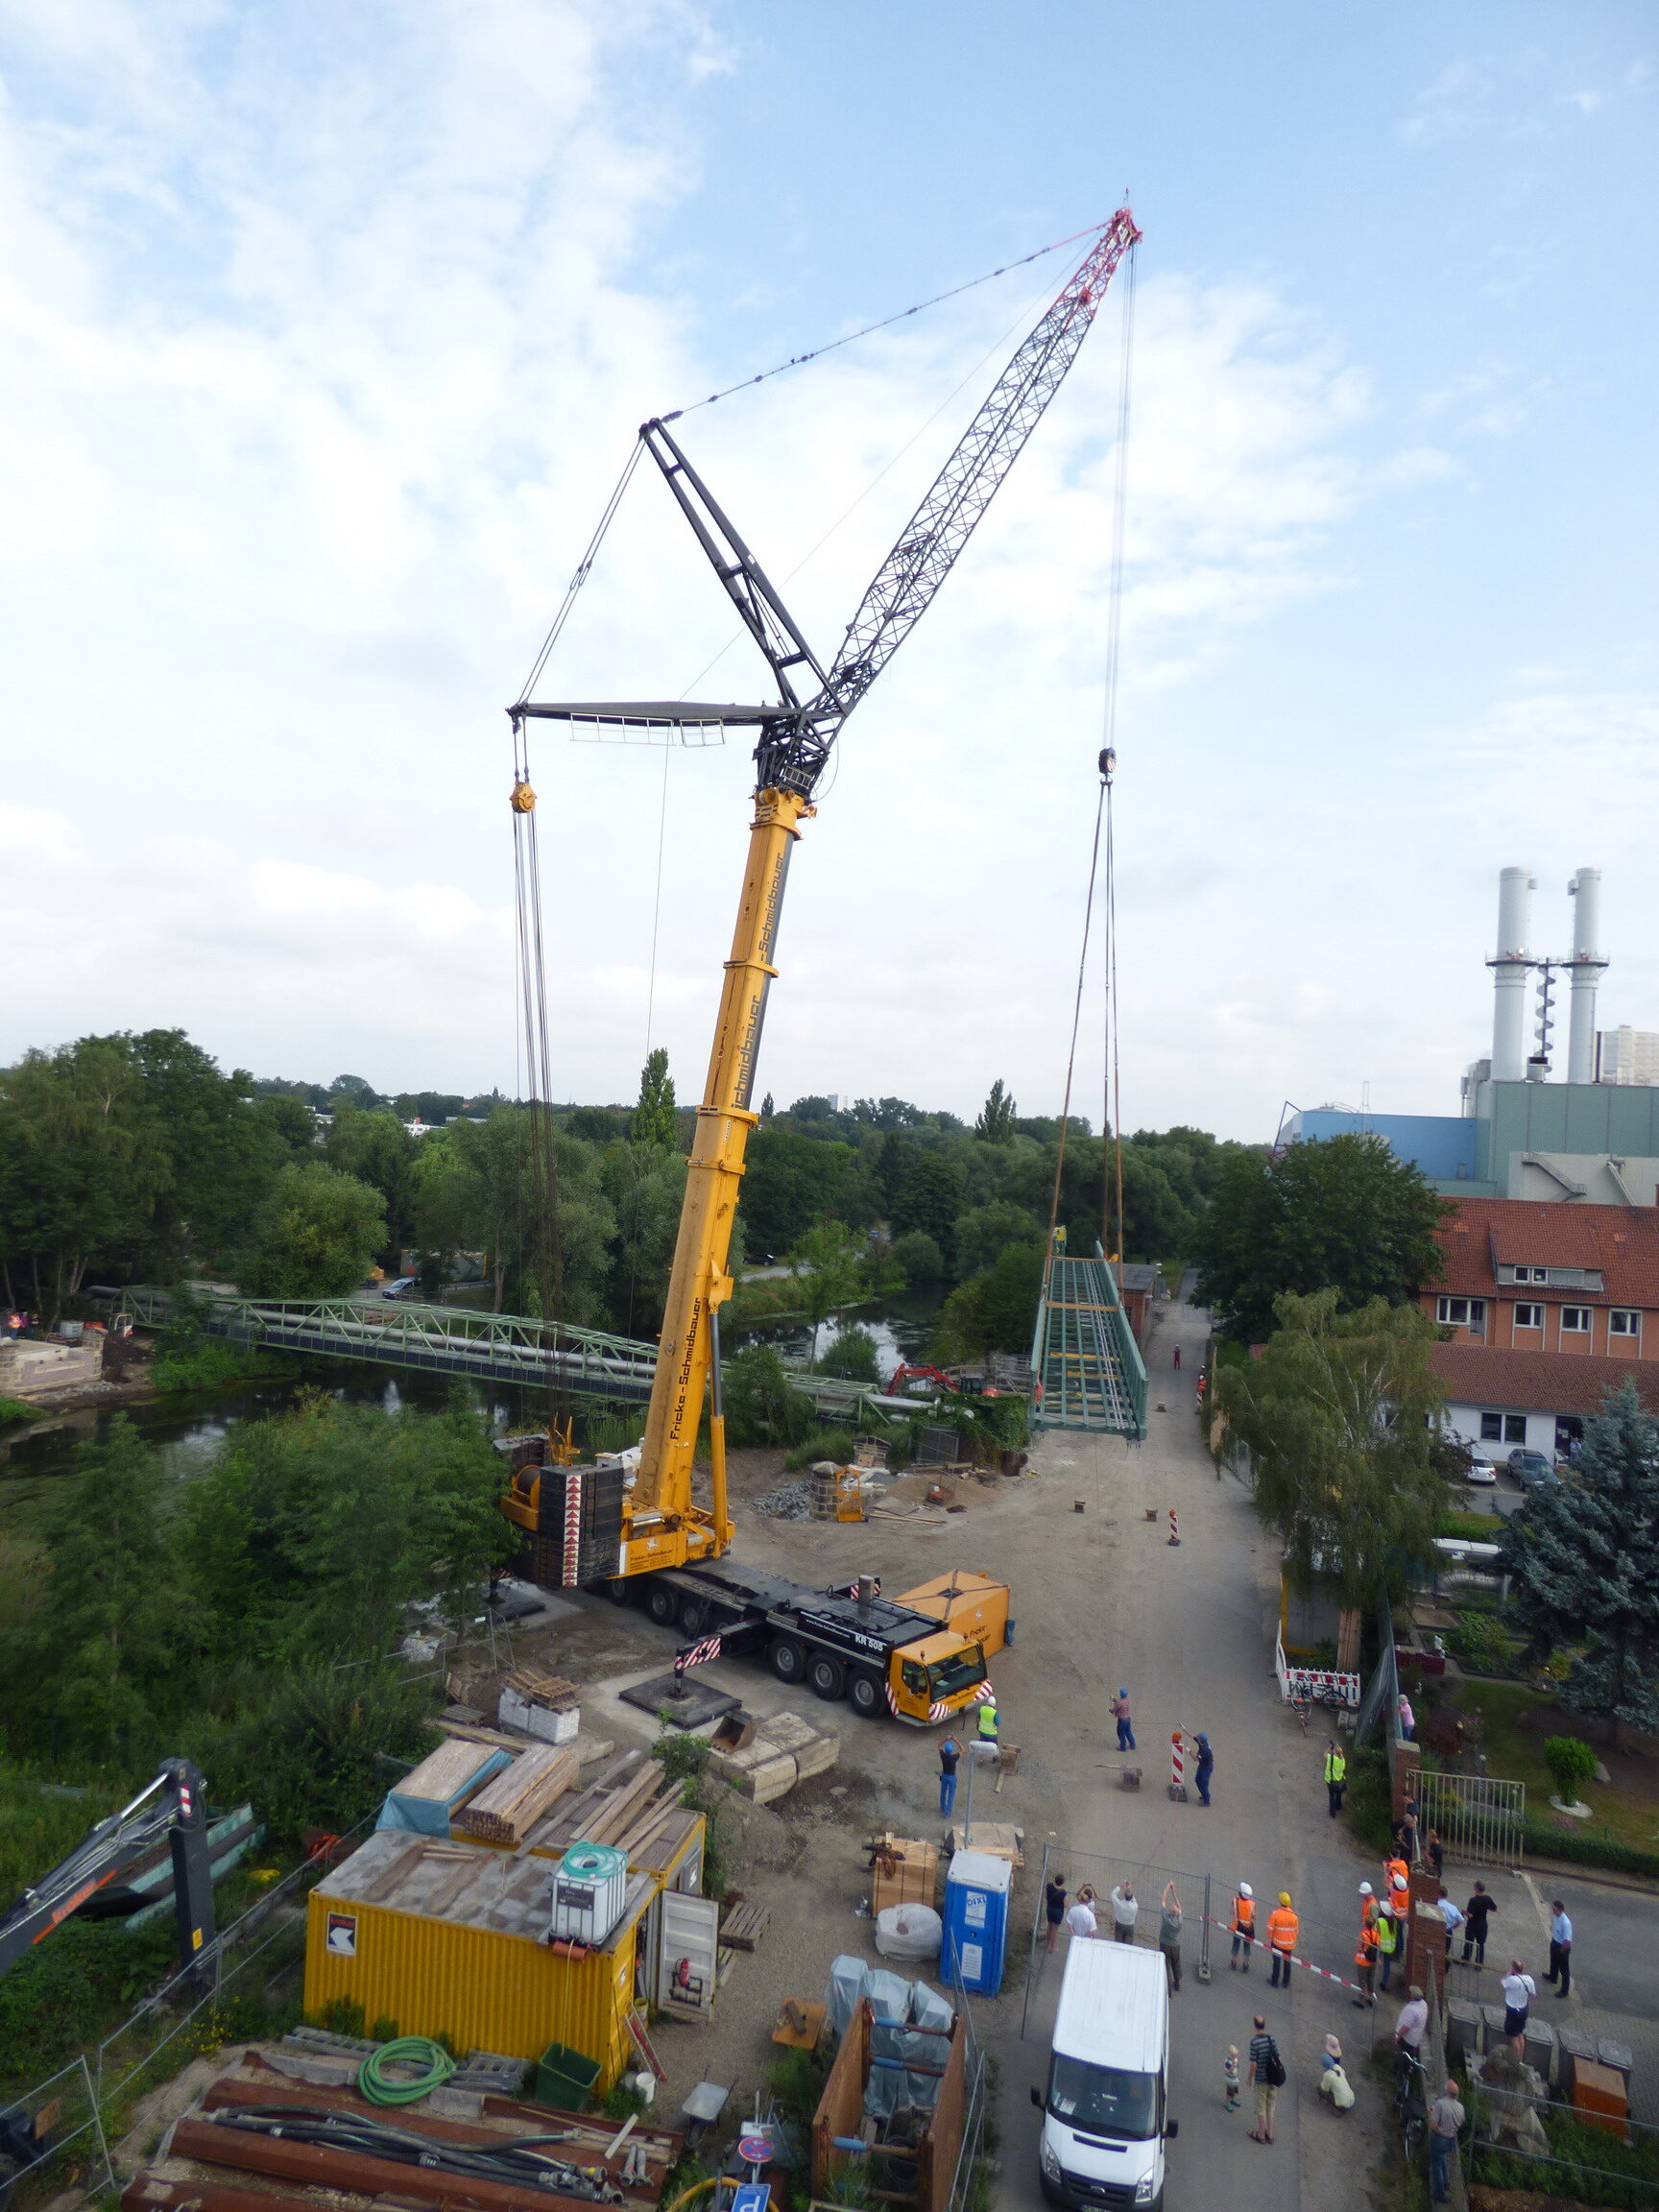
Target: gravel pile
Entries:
(787, 1502)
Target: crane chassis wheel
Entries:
(826, 1677)
(788, 1658)
(866, 1694)
(662, 1602)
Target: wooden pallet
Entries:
(727, 1958)
(745, 1925)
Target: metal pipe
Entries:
(1509, 969)
(1587, 963)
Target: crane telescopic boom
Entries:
(590, 1534)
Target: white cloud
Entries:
(322, 338)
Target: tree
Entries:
(996, 1122)
(315, 1235)
(984, 1233)
(83, 1160)
(852, 1353)
(377, 1148)
(1346, 1213)
(1582, 1555)
(646, 1187)
(829, 1268)
(930, 1198)
(292, 1124)
(654, 1121)
(474, 1192)
(314, 1531)
(919, 1258)
(1340, 1413)
(794, 1182)
(767, 1109)
(93, 1666)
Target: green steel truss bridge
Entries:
(1087, 1366)
(450, 1340)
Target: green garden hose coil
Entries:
(408, 2050)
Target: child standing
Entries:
(1230, 2077)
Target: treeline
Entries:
(133, 1158)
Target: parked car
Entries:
(1530, 1469)
(1480, 1469)
(406, 1287)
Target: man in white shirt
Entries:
(1081, 1918)
(1560, 1948)
(1519, 1991)
(1409, 2030)
(1125, 1912)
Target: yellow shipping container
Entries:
(450, 1940)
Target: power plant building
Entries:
(1592, 1139)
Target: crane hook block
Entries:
(523, 799)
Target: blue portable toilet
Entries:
(976, 1892)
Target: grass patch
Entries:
(14, 1410)
(1471, 1527)
(1514, 1749)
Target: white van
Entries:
(1104, 2118)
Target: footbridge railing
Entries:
(517, 1348)
(1088, 1369)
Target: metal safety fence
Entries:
(1477, 1816)
(60, 2129)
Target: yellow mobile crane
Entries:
(610, 1525)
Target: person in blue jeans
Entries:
(950, 1751)
(1120, 1712)
(1205, 1768)
(1445, 2125)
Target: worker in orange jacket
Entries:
(1365, 1960)
(1398, 1872)
(1243, 1926)
(1282, 1929)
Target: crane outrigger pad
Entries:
(1087, 1366)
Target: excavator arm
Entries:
(661, 1525)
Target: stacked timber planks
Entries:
(507, 1808)
(449, 1775)
(631, 1806)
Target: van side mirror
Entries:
(1037, 2098)
(1172, 2129)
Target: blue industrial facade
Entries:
(1469, 1155)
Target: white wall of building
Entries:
(1464, 1422)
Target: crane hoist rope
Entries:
(1111, 1120)
(609, 1523)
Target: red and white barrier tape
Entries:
(1307, 1964)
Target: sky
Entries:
(325, 331)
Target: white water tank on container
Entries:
(589, 1886)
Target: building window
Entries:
(1623, 1321)
(1532, 1274)
(1502, 1428)
(1529, 1316)
(1575, 1320)
(1461, 1313)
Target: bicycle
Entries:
(1410, 2097)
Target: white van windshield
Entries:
(1103, 2099)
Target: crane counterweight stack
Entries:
(570, 1514)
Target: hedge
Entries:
(1586, 1850)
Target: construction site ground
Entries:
(1101, 1599)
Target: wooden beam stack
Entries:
(509, 1807)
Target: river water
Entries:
(194, 1424)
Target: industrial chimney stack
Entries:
(1509, 971)
(1585, 968)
